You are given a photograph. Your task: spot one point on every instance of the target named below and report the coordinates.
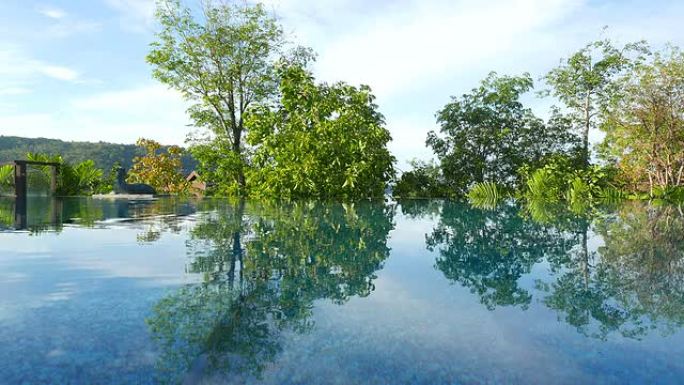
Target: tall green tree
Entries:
(585, 83)
(487, 134)
(320, 140)
(221, 59)
(645, 127)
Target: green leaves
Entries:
(487, 135)
(319, 141)
(485, 195)
(586, 82)
(158, 168)
(6, 175)
(645, 127)
(222, 64)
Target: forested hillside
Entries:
(104, 154)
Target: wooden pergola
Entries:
(20, 176)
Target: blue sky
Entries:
(75, 70)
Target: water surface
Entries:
(417, 292)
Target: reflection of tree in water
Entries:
(263, 266)
(51, 214)
(632, 284)
(637, 281)
(489, 250)
(6, 213)
(421, 208)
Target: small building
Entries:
(196, 183)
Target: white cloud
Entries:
(122, 116)
(18, 69)
(63, 24)
(428, 41)
(51, 12)
(136, 15)
(33, 125)
(415, 54)
(56, 72)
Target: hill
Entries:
(104, 154)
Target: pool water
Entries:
(416, 292)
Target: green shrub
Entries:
(6, 175)
(81, 179)
(560, 180)
(485, 195)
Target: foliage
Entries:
(560, 180)
(586, 82)
(6, 177)
(81, 179)
(319, 141)
(159, 169)
(221, 62)
(632, 283)
(485, 195)
(424, 180)
(220, 166)
(645, 127)
(487, 135)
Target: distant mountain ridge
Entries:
(104, 154)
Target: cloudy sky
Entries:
(75, 69)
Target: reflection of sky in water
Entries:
(73, 307)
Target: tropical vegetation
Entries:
(490, 146)
(268, 129)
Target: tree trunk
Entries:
(585, 134)
(237, 149)
(585, 256)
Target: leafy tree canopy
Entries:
(487, 135)
(159, 169)
(221, 59)
(319, 140)
(586, 83)
(645, 126)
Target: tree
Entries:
(489, 251)
(222, 63)
(487, 135)
(319, 140)
(262, 274)
(585, 83)
(159, 169)
(424, 180)
(633, 283)
(645, 127)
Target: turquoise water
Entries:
(418, 292)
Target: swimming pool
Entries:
(416, 292)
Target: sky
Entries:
(76, 70)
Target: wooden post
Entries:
(20, 210)
(20, 180)
(20, 213)
(53, 181)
